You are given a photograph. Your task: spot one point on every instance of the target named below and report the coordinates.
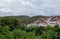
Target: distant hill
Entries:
(27, 19)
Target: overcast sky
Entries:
(29, 7)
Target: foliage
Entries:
(11, 22)
(10, 28)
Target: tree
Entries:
(5, 33)
(11, 22)
(57, 31)
(30, 29)
(21, 34)
(39, 30)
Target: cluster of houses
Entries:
(51, 21)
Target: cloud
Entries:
(29, 7)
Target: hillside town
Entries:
(51, 21)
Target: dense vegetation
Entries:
(10, 28)
(27, 19)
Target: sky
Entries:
(29, 7)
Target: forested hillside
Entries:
(10, 28)
(27, 19)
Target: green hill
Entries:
(27, 19)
